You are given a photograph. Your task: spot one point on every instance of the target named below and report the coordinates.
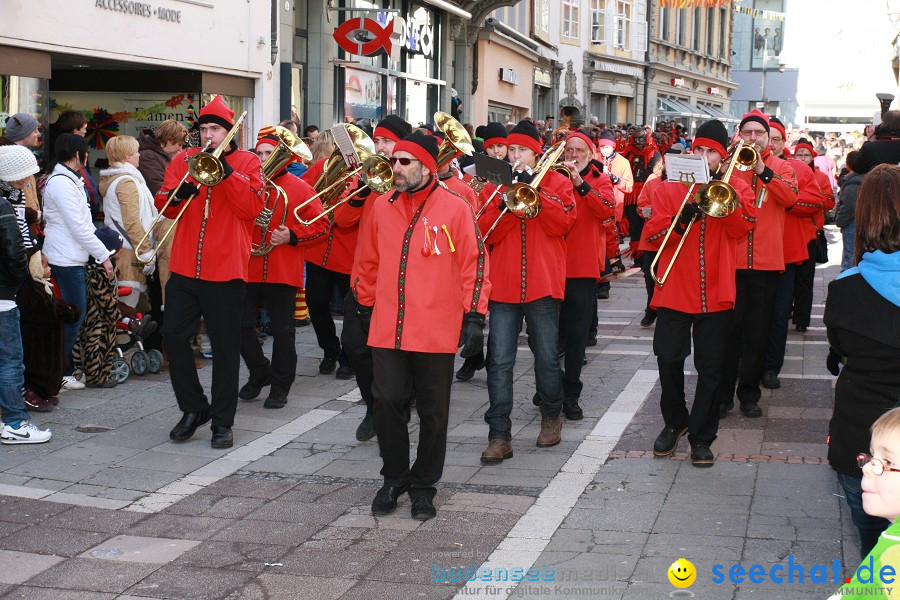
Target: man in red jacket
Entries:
(799, 230)
(585, 246)
(209, 264)
(356, 213)
(527, 280)
(274, 279)
(698, 294)
(806, 273)
(422, 292)
(759, 260)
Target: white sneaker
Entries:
(26, 433)
(70, 383)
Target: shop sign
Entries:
(140, 9)
(509, 76)
(712, 90)
(417, 35)
(542, 77)
(365, 37)
(678, 81)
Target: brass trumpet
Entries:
(716, 199)
(524, 200)
(206, 169)
(290, 148)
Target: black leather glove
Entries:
(360, 198)
(615, 180)
(833, 362)
(184, 192)
(471, 337)
(616, 265)
(690, 211)
(226, 168)
(365, 317)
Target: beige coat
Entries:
(128, 196)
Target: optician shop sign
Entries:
(140, 9)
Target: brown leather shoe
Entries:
(496, 451)
(551, 432)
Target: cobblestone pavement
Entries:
(111, 509)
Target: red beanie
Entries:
(757, 116)
(217, 112)
(582, 137)
(423, 147)
(804, 143)
(774, 123)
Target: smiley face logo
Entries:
(682, 573)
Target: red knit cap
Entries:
(217, 112)
(584, 138)
(804, 143)
(525, 134)
(757, 116)
(267, 135)
(774, 123)
(423, 147)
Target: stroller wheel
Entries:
(156, 361)
(120, 370)
(140, 362)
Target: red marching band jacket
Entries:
(645, 200)
(420, 296)
(284, 263)
(702, 279)
(763, 248)
(462, 189)
(527, 254)
(334, 250)
(586, 243)
(828, 195)
(799, 219)
(212, 239)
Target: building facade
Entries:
(126, 65)
(689, 64)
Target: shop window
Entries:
(598, 21)
(362, 95)
(570, 18)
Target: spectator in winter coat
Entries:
(846, 208)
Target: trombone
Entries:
(290, 148)
(206, 169)
(524, 200)
(716, 199)
(376, 169)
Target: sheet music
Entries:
(345, 145)
(687, 168)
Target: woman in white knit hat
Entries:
(16, 165)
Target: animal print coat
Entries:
(95, 349)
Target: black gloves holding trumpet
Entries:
(690, 212)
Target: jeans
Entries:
(542, 319)
(869, 527)
(847, 258)
(73, 289)
(12, 369)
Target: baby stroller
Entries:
(130, 333)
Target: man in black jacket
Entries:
(885, 148)
(17, 164)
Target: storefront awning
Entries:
(718, 113)
(671, 107)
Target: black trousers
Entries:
(778, 329)
(356, 348)
(753, 308)
(671, 345)
(635, 222)
(647, 257)
(278, 298)
(319, 285)
(221, 304)
(803, 287)
(400, 377)
(574, 325)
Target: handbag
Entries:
(821, 247)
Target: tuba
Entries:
(456, 140)
(206, 169)
(289, 149)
